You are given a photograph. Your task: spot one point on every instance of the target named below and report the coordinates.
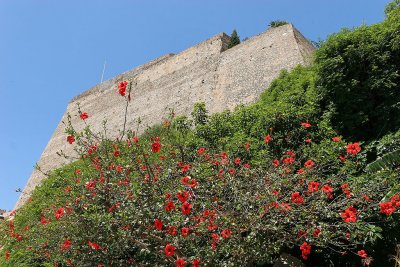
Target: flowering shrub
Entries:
(173, 197)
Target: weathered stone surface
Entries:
(205, 72)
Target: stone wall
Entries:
(209, 72)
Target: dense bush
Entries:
(358, 75)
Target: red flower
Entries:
(183, 196)
(309, 163)
(346, 189)
(306, 124)
(313, 187)
(90, 185)
(185, 231)
(353, 148)
(395, 200)
(327, 189)
(267, 139)
(93, 245)
(237, 161)
(170, 206)
(226, 233)
(122, 88)
(67, 244)
(296, 198)
(288, 160)
(156, 147)
(193, 183)
(180, 262)
(169, 250)
(349, 215)
(70, 139)
(7, 255)
(196, 263)
(387, 208)
(59, 213)
(186, 208)
(362, 254)
(158, 224)
(172, 230)
(84, 115)
(44, 221)
(201, 151)
(305, 250)
(185, 180)
(316, 232)
(337, 139)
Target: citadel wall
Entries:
(208, 72)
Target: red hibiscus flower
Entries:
(185, 231)
(336, 139)
(288, 160)
(193, 183)
(180, 262)
(237, 161)
(362, 254)
(122, 88)
(306, 124)
(59, 213)
(158, 224)
(183, 196)
(267, 139)
(313, 187)
(349, 215)
(44, 221)
(67, 244)
(7, 255)
(327, 189)
(387, 208)
(196, 263)
(305, 250)
(309, 163)
(226, 233)
(70, 139)
(172, 230)
(170, 206)
(296, 198)
(201, 151)
(316, 232)
(353, 148)
(84, 115)
(93, 245)
(169, 250)
(186, 208)
(156, 147)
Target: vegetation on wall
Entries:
(308, 169)
(234, 39)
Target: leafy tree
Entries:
(359, 79)
(391, 6)
(234, 39)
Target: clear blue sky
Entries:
(51, 51)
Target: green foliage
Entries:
(234, 39)
(277, 23)
(392, 6)
(358, 76)
(200, 114)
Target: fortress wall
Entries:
(172, 81)
(205, 72)
(247, 69)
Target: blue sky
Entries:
(51, 51)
